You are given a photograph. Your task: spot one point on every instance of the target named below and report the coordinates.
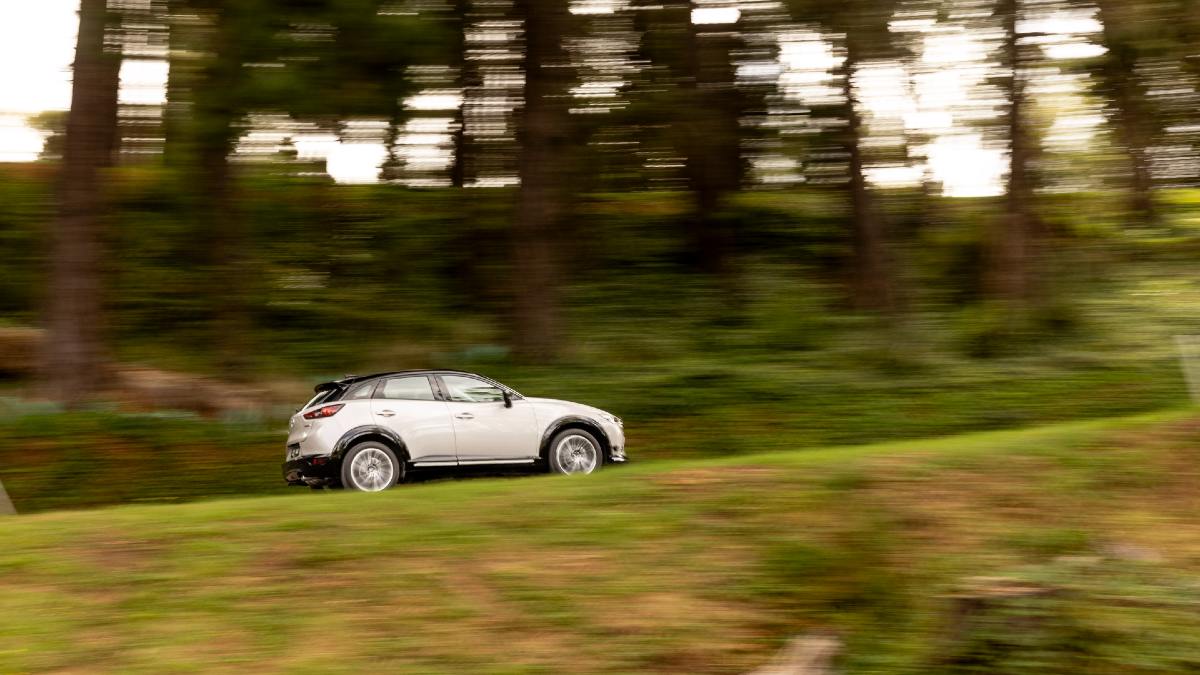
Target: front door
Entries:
(485, 430)
(406, 406)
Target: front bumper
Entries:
(615, 437)
(313, 471)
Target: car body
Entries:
(367, 432)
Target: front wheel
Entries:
(575, 451)
(371, 467)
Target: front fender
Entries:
(563, 422)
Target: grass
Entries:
(674, 566)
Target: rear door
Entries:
(406, 405)
(486, 431)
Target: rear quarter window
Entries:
(360, 391)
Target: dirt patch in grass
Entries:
(717, 476)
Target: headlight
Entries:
(613, 419)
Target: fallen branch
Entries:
(6, 505)
(811, 654)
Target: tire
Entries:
(371, 467)
(574, 452)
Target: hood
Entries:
(567, 404)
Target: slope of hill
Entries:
(1072, 548)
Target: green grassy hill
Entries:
(673, 567)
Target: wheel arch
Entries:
(574, 422)
(370, 432)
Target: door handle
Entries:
(465, 416)
(387, 413)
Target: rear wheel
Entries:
(371, 467)
(575, 451)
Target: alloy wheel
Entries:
(577, 454)
(372, 470)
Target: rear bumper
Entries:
(313, 471)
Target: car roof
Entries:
(353, 379)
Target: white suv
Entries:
(364, 433)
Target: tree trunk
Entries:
(712, 150)
(1010, 245)
(73, 355)
(1134, 138)
(458, 170)
(872, 285)
(1120, 76)
(217, 113)
(1191, 36)
(542, 165)
(178, 111)
(392, 169)
(229, 322)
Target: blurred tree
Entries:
(1010, 245)
(865, 24)
(687, 109)
(143, 36)
(711, 137)
(177, 110)
(362, 71)
(219, 91)
(73, 354)
(54, 124)
(658, 94)
(1172, 82)
(862, 26)
(467, 82)
(1189, 27)
(544, 137)
(1124, 24)
(1178, 103)
(327, 61)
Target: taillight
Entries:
(323, 411)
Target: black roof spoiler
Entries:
(351, 379)
(337, 384)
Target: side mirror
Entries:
(507, 398)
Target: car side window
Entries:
(360, 392)
(462, 389)
(415, 388)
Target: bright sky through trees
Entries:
(37, 46)
(37, 43)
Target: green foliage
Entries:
(26, 194)
(371, 278)
(411, 277)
